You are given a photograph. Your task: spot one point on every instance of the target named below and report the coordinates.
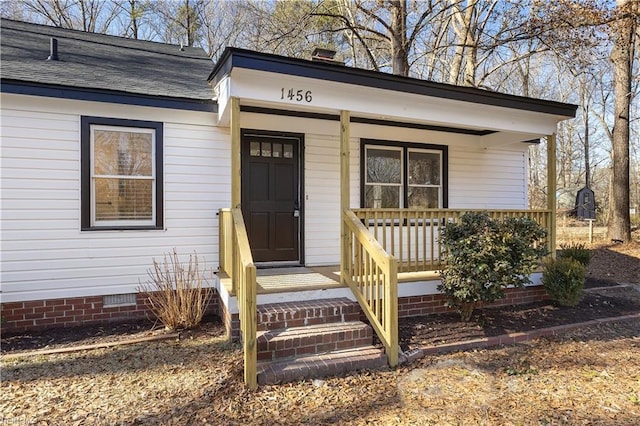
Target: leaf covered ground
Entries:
(591, 376)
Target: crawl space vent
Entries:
(119, 300)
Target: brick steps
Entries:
(329, 364)
(299, 340)
(312, 339)
(297, 314)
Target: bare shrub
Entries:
(177, 295)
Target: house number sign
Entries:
(298, 95)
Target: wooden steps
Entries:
(309, 339)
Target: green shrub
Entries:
(484, 256)
(577, 252)
(177, 295)
(563, 279)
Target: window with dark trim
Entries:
(403, 175)
(121, 174)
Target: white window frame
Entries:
(440, 172)
(405, 149)
(402, 171)
(93, 177)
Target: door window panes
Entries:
(254, 149)
(277, 150)
(266, 149)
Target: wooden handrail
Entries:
(411, 235)
(372, 275)
(237, 262)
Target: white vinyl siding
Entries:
(322, 189)
(44, 253)
(487, 178)
(490, 178)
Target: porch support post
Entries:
(236, 193)
(344, 187)
(551, 192)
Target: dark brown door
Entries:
(271, 196)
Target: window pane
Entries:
(424, 168)
(122, 153)
(254, 150)
(266, 149)
(288, 150)
(380, 197)
(277, 150)
(123, 199)
(383, 166)
(421, 197)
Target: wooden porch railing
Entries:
(412, 235)
(372, 275)
(237, 262)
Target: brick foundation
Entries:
(407, 307)
(434, 303)
(41, 314)
(231, 321)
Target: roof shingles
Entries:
(97, 61)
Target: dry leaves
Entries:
(587, 377)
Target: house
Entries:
(332, 180)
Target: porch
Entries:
(305, 138)
(391, 263)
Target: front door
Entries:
(271, 196)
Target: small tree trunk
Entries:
(466, 311)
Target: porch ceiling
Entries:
(484, 137)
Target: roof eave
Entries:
(21, 87)
(235, 57)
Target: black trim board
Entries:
(108, 96)
(362, 120)
(405, 145)
(85, 170)
(242, 58)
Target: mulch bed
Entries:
(413, 332)
(55, 338)
(610, 265)
(438, 329)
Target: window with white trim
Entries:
(122, 174)
(424, 184)
(383, 177)
(397, 175)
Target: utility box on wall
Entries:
(585, 204)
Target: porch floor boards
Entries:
(290, 279)
(304, 278)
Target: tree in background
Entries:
(179, 22)
(566, 50)
(386, 30)
(624, 30)
(94, 16)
